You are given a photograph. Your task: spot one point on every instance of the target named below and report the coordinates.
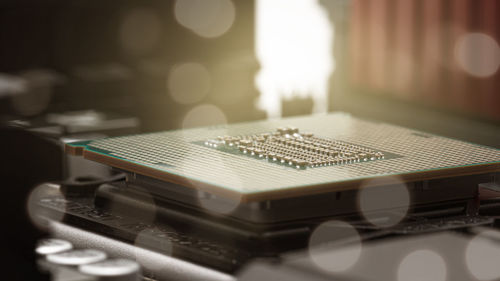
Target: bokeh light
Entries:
(482, 255)
(389, 195)
(294, 42)
(216, 204)
(422, 265)
(335, 246)
(478, 54)
(201, 116)
(206, 18)
(188, 82)
(140, 31)
(204, 115)
(205, 199)
(151, 238)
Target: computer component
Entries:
(186, 248)
(310, 155)
(445, 255)
(430, 195)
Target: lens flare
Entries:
(422, 265)
(151, 238)
(216, 204)
(204, 115)
(335, 246)
(482, 255)
(478, 54)
(384, 202)
(206, 18)
(188, 83)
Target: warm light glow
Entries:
(142, 240)
(482, 255)
(204, 115)
(478, 54)
(394, 198)
(335, 246)
(422, 265)
(188, 82)
(294, 46)
(206, 18)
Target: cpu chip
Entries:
(289, 157)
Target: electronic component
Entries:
(188, 158)
(300, 150)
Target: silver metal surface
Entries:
(164, 267)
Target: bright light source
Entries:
(294, 46)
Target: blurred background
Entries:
(84, 69)
(165, 64)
